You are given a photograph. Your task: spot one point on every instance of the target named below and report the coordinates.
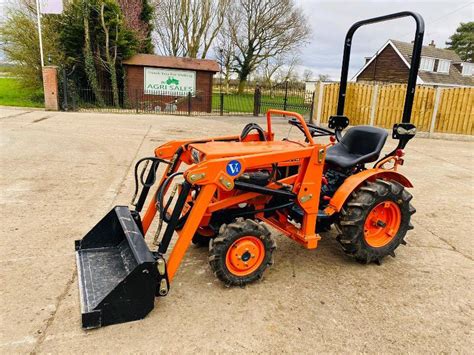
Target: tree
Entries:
(287, 72)
(168, 28)
(138, 17)
(462, 41)
(264, 29)
(89, 65)
(110, 25)
(323, 77)
(270, 67)
(96, 39)
(307, 75)
(201, 21)
(224, 50)
(19, 37)
(188, 27)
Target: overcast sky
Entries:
(330, 21)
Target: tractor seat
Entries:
(360, 145)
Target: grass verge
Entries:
(12, 94)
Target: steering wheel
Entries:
(315, 131)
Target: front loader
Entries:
(224, 192)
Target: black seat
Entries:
(360, 145)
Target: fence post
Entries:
(136, 101)
(311, 111)
(319, 110)
(257, 96)
(435, 111)
(373, 104)
(285, 100)
(189, 103)
(65, 93)
(221, 106)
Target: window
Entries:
(467, 69)
(427, 64)
(443, 66)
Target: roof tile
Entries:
(453, 78)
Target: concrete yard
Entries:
(61, 172)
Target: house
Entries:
(438, 66)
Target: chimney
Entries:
(367, 59)
(432, 44)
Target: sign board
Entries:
(51, 6)
(173, 82)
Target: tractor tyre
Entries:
(375, 220)
(241, 252)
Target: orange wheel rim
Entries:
(382, 224)
(245, 255)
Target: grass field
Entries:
(12, 94)
(244, 103)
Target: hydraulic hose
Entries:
(160, 196)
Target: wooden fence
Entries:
(440, 110)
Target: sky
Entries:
(330, 21)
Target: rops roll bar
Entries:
(415, 59)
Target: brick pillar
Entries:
(50, 85)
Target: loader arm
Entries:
(213, 175)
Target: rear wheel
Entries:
(375, 220)
(241, 252)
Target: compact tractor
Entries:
(233, 187)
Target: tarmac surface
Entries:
(62, 172)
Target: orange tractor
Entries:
(234, 187)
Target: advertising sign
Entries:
(173, 82)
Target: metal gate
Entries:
(286, 98)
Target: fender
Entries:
(354, 181)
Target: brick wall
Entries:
(387, 67)
(202, 102)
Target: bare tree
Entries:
(225, 53)
(270, 67)
(167, 28)
(201, 21)
(323, 77)
(307, 75)
(188, 27)
(288, 71)
(111, 28)
(263, 29)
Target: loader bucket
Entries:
(117, 272)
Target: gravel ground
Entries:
(61, 172)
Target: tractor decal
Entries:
(233, 168)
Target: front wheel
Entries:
(375, 220)
(241, 252)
